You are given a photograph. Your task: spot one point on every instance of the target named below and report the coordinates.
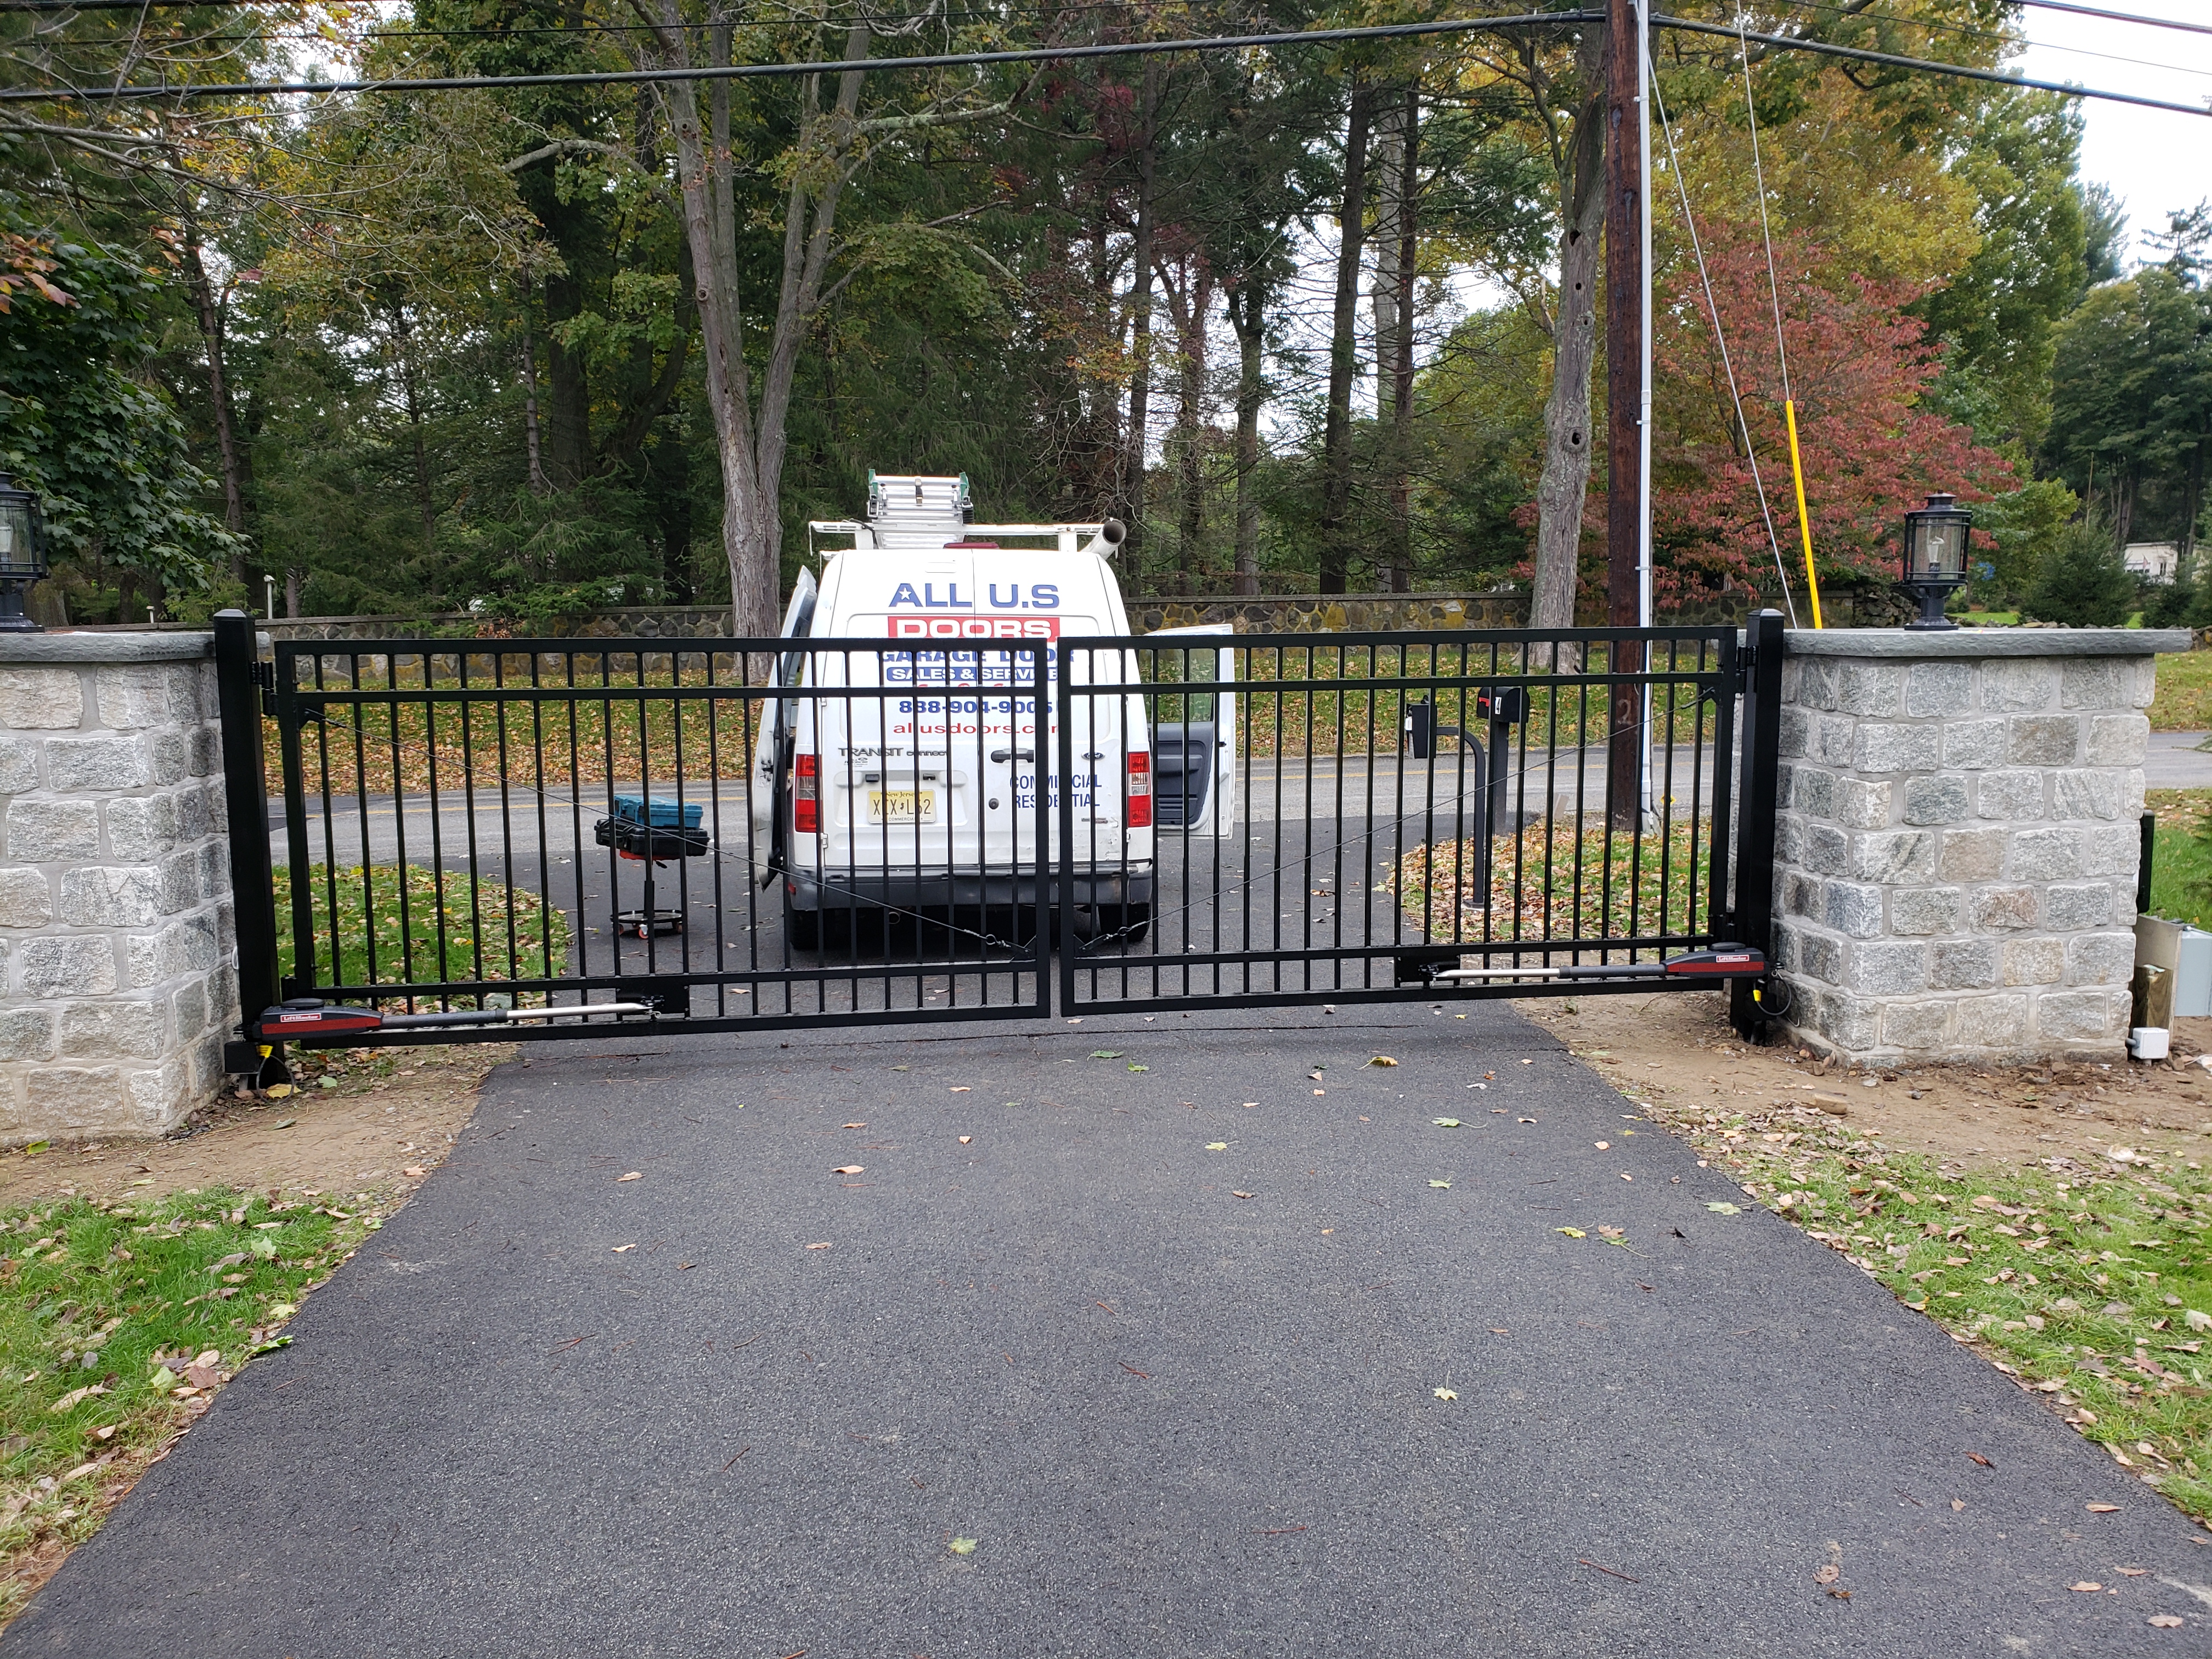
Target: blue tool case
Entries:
(655, 829)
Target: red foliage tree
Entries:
(1859, 368)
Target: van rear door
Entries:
(772, 744)
(1194, 731)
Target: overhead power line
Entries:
(1926, 65)
(2119, 16)
(833, 66)
(1058, 54)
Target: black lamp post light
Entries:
(22, 555)
(1936, 555)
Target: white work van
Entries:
(899, 769)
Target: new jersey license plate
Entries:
(901, 806)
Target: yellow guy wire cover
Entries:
(1804, 524)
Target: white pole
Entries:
(1644, 413)
(269, 586)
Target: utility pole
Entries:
(1624, 397)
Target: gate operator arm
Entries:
(1721, 962)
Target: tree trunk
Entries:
(1408, 194)
(1248, 315)
(413, 400)
(1564, 483)
(750, 446)
(1141, 333)
(1190, 396)
(1336, 530)
(538, 483)
(292, 582)
(210, 310)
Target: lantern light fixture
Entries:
(22, 555)
(1935, 538)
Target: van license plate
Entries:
(901, 806)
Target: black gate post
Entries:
(1756, 806)
(246, 804)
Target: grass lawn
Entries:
(2184, 702)
(116, 1320)
(1594, 884)
(2181, 864)
(424, 929)
(2092, 1287)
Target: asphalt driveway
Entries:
(1170, 1361)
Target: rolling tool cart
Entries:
(650, 831)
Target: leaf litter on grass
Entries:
(121, 1319)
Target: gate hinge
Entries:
(264, 676)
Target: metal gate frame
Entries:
(1738, 909)
(250, 689)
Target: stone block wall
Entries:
(1957, 843)
(117, 975)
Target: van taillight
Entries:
(806, 798)
(1140, 790)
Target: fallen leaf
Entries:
(1135, 1068)
(1445, 1394)
(962, 1546)
(414, 1169)
(850, 1168)
(1381, 1060)
(1446, 1122)
(1321, 1091)
(1828, 1574)
(1527, 1119)
(1237, 1194)
(1571, 1232)
(1216, 1146)
(1983, 1461)
(856, 1125)
(1106, 1054)
(2087, 1587)
(1958, 1503)
(823, 1246)
(286, 1124)
(963, 1090)
(619, 1248)
(965, 1139)
(2133, 1572)
(1612, 1232)
(634, 1174)
(278, 1091)
(1603, 1145)
(2164, 1621)
(1725, 1209)
(2197, 1321)
(1839, 1594)
(1445, 1185)
(2103, 1508)
(1499, 1330)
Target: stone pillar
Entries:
(117, 961)
(1956, 849)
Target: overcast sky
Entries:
(2153, 160)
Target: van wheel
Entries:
(802, 929)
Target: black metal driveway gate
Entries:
(561, 838)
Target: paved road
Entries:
(2175, 762)
(1177, 1421)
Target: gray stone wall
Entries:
(117, 975)
(1957, 843)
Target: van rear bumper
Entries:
(932, 891)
